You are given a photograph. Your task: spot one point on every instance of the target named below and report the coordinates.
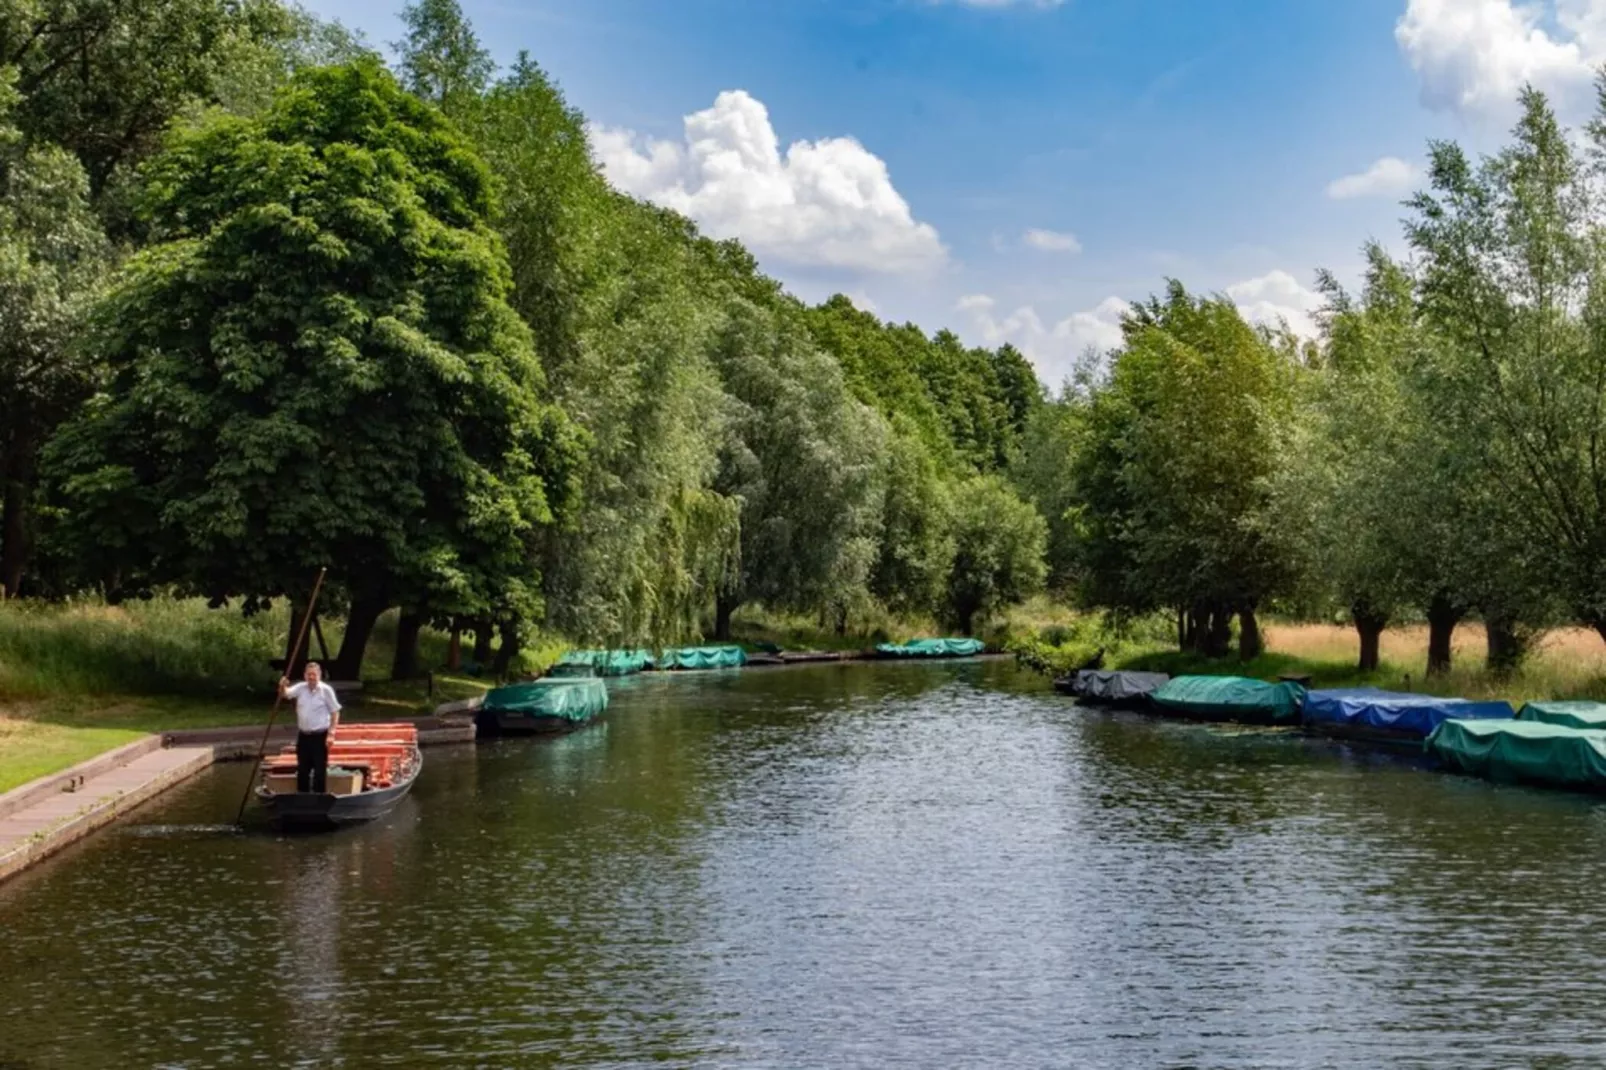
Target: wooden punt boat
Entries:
(372, 767)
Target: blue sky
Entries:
(1017, 168)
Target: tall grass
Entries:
(1566, 663)
(163, 646)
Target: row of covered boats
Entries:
(573, 693)
(630, 662)
(1556, 744)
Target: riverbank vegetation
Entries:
(272, 304)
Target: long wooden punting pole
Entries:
(295, 652)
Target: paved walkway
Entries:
(53, 821)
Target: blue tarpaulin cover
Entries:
(1397, 711)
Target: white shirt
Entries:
(315, 708)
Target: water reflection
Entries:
(885, 865)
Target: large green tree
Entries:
(53, 260)
(1173, 488)
(998, 552)
(104, 78)
(315, 364)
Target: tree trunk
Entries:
(1443, 616)
(1507, 646)
(295, 661)
(1250, 642)
(364, 614)
(454, 648)
(1198, 628)
(724, 607)
(508, 650)
(405, 664)
(1182, 628)
(1369, 622)
(15, 535)
(1217, 632)
(967, 618)
(482, 643)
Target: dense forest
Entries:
(269, 303)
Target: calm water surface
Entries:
(877, 866)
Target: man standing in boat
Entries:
(317, 716)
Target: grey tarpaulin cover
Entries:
(1102, 685)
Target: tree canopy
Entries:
(315, 361)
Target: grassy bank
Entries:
(30, 749)
(79, 678)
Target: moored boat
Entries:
(371, 768)
(1568, 714)
(952, 647)
(606, 662)
(1523, 751)
(1111, 687)
(1372, 715)
(703, 657)
(551, 704)
(1229, 698)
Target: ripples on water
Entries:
(898, 865)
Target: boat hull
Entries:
(1400, 739)
(314, 811)
(519, 724)
(1260, 718)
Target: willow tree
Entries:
(1514, 286)
(804, 458)
(1173, 502)
(315, 364)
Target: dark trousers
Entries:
(312, 761)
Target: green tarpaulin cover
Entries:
(932, 648)
(703, 657)
(608, 662)
(1230, 698)
(1570, 714)
(1533, 751)
(571, 698)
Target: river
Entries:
(842, 866)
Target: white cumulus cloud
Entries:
(863, 302)
(1051, 241)
(1272, 299)
(1051, 347)
(1388, 177)
(1277, 297)
(1473, 56)
(827, 203)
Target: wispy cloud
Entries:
(1388, 177)
(1052, 241)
